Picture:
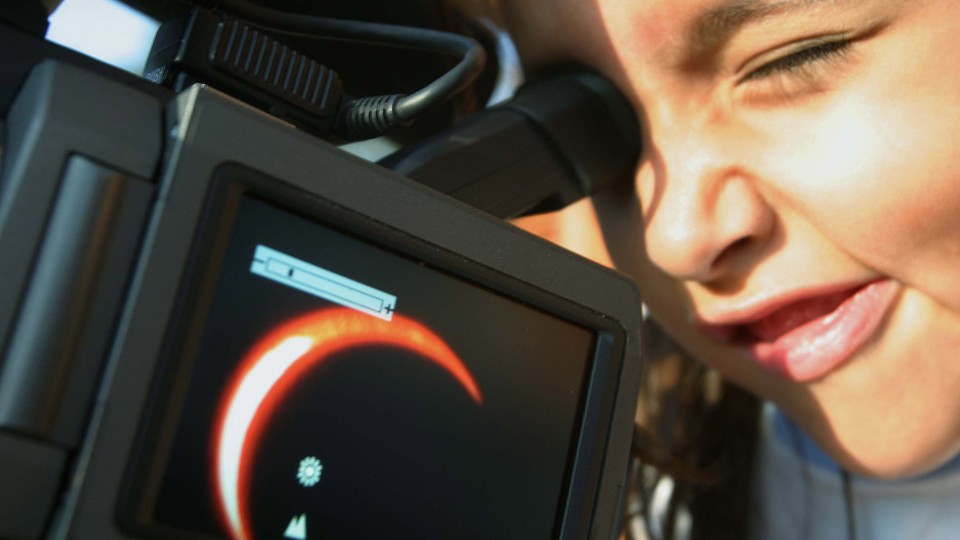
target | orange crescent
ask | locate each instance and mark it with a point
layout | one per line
(274, 364)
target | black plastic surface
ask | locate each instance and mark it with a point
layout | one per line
(32, 475)
(63, 110)
(212, 130)
(249, 64)
(561, 138)
(496, 161)
(54, 358)
(22, 51)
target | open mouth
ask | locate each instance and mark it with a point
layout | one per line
(789, 318)
(810, 337)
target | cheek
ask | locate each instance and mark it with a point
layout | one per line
(878, 173)
(874, 165)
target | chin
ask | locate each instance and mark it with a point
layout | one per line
(897, 460)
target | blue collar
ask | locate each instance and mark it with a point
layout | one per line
(806, 449)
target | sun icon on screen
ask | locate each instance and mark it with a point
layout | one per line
(308, 474)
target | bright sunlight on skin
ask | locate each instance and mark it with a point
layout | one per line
(794, 220)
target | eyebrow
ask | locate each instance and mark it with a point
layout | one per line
(718, 25)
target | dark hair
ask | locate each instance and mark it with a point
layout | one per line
(698, 433)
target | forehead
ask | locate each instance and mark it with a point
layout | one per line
(671, 28)
(604, 34)
(576, 27)
(641, 39)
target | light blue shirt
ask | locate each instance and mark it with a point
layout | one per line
(798, 495)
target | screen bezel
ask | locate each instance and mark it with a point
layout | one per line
(202, 129)
(230, 183)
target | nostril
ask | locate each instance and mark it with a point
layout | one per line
(737, 246)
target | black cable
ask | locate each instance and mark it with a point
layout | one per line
(848, 504)
(796, 441)
(371, 116)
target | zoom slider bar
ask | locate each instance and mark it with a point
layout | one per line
(311, 279)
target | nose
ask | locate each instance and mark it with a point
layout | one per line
(703, 209)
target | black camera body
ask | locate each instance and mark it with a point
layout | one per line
(215, 325)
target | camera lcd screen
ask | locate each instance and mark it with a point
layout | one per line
(338, 387)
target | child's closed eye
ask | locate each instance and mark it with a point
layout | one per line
(802, 71)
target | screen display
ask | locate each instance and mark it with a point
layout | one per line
(338, 389)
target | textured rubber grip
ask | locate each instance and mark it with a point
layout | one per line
(248, 53)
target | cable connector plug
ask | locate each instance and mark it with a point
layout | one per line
(367, 117)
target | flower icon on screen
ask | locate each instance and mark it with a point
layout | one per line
(308, 474)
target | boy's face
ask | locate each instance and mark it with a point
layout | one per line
(795, 220)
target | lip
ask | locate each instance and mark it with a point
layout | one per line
(804, 336)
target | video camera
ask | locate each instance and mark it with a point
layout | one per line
(216, 323)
